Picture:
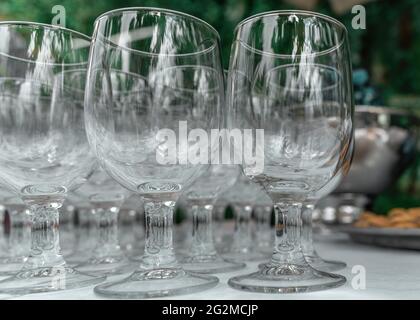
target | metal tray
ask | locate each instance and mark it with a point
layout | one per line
(385, 237)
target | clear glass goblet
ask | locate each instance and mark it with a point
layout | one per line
(85, 231)
(296, 67)
(262, 216)
(132, 225)
(200, 198)
(149, 140)
(106, 198)
(67, 228)
(242, 196)
(44, 152)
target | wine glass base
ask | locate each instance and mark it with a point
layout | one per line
(210, 264)
(286, 279)
(9, 266)
(47, 279)
(107, 266)
(156, 283)
(320, 264)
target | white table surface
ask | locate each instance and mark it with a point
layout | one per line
(390, 274)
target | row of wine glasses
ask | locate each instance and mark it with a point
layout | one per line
(81, 234)
(91, 238)
(128, 113)
(87, 232)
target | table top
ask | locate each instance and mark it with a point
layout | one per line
(389, 274)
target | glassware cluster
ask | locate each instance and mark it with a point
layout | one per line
(117, 127)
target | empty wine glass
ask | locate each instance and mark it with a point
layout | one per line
(296, 66)
(223, 227)
(262, 212)
(200, 198)
(43, 151)
(67, 228)
(132, 224)
(85, 232)
(141, 137)
(242, 196)
(106, 198)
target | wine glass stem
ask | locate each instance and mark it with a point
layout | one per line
(45, 241)
(262, 226)
(202, 235)
(288, 227)
(107, 224)
(307, 241)
(218, 223)
(159, 251)
(242, 238)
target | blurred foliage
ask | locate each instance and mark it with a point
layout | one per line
(389, 48)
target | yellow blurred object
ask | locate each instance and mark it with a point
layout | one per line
(396, 218)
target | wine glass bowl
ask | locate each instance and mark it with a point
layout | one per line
(304, 127)
(42, 139)
(105, 197)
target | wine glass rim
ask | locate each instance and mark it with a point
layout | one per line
(164, 10)
(288, 12)
(116, 12)
(316, 65)
(29, 24)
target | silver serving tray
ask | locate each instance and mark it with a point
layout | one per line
(385, 237)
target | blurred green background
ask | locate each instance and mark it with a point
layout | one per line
(389, 48)
(385, 55)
